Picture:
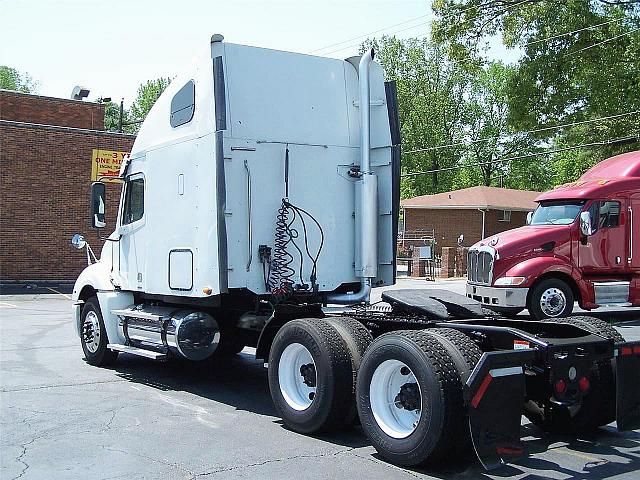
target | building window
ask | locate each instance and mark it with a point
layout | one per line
(505, 216)
(133, 201)
(183, 105)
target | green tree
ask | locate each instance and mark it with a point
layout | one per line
(12, 79)
(490, 138)
(580, 63)
(148, 93)
(112, 117)
(430, 99)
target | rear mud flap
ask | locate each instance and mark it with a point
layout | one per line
(494, 394)
(627, 358)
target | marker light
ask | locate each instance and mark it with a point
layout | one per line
(583, 384)
(509, 281)
(561, 386)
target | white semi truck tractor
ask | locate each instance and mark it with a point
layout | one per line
(261, 192)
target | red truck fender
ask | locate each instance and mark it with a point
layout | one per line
(537, 268)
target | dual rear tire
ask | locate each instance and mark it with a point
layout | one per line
(313, 365)
(407, 385)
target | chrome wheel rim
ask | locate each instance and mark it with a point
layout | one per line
(297, 376)
(553, 302)
(396, 399)
(91, 332)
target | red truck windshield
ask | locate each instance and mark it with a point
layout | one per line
(556, 212)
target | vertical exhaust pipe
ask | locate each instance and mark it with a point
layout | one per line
(366, 198)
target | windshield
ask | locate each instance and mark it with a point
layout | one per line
(556, 213)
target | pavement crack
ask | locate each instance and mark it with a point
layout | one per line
(59, 385)
(274, 460)
(151, 459)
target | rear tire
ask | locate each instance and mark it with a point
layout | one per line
(357, 338)
(598, 407)
(391, 411)
(310, 376)
(93, 335)
(551, 298)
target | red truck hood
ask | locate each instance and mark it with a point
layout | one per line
(528, 239)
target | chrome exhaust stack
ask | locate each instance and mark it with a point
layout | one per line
(366, 199)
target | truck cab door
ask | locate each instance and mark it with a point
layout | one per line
(604, 252)
(132, 243)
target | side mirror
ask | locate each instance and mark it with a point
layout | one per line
(98, 200)
(586, 227)
(529, 218)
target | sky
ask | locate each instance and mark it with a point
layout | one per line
(112, 46)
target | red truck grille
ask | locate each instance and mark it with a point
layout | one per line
(479, 267)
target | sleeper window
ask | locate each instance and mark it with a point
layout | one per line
(183, 105)
(133, 201)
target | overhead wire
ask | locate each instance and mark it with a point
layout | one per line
(537, 130)
(367, 34)
(560, 35)
(616, 141)
(602, 42)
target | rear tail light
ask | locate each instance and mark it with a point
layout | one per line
(561, 386)
(583, 384)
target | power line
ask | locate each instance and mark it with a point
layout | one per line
(537, 130)
(367, 34)
(389, 33)
(574, 31)
(616, 142)
(602, 42)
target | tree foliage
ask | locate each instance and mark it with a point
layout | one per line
(148, 93)
(12, 79)
(452, 120)
(579, 63)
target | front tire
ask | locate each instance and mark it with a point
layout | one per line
(310, 376)
(551, 298)
(93, 335)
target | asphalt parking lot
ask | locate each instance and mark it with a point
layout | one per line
(61, 418)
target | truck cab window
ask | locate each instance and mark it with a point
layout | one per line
(556, 212)
(609, 214)
(133, 201)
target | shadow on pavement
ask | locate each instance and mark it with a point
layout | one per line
(241, 382)
(590, 456)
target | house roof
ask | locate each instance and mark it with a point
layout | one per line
(476, 197)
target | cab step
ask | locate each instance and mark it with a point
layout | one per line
(137, 351)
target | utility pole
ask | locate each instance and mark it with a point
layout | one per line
(121, 115)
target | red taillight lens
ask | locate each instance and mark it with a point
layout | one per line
(584, 384)
(561, 386)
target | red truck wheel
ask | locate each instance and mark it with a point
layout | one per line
(551, 298)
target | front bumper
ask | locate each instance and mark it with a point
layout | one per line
(498, 296)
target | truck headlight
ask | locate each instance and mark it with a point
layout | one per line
(509, 281)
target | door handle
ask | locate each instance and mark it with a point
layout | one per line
(249, 240)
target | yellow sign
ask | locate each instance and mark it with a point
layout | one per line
(105, 164)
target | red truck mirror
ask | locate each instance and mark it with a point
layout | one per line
(586, 226)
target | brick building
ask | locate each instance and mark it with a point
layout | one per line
(475, 212)
(47, 150)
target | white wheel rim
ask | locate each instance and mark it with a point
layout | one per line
(389, 412)
(91, 332)
(297, 389)
(553, 302)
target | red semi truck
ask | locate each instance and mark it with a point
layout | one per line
(581, 244)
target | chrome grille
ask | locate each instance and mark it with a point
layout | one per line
(479, 266)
